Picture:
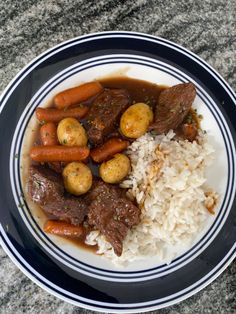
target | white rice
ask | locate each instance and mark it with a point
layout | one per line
(168, 182)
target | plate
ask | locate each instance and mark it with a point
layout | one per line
(78, 276)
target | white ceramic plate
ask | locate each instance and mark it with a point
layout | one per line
(79, 276)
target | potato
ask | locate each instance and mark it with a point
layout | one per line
(135, 120)
(71, 133)
(115, 169)
(77, 178)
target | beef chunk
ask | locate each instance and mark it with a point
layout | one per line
(112, 213)
(173, 105)
(45, 187)
(56, 166)
(105, 113)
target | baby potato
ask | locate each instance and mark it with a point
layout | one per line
(71, 133)
(77, 178)
(115, 169)
(135, 120)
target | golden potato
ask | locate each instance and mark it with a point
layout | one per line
(115, 169)
(71, 133)
(135, 120)
(77, 178)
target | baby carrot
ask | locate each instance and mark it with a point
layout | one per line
(77, 94)
(48, 134)
(56, 115)
(59, 153)
(108, 149)
(62, 228)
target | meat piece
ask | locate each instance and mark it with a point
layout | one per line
(173, 105)
(56, 166)
(45, 187)
(105, 113)
(112, 213)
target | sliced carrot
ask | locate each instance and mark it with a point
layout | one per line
(189, 131)
(59, 153)
(62, 228)
(56, 115)
(108, 149)
(77, 94)
(48, 134)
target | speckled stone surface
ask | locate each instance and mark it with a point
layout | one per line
(27, 28)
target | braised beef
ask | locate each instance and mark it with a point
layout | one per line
(173, 105)
(105, 113)
(57, 166)
(45, 187)
(112, 213)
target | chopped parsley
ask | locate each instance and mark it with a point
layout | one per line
(38, 183)
(20, 205)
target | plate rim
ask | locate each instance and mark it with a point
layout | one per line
(10, 88)
(121, 310)
(100, 273)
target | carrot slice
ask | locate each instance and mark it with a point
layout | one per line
(48, 134)
(189, 131)
(59, 153)
(77, 94)
(62, 228)
(108, 149)
(56, 115)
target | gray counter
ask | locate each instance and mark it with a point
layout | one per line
(27, 28)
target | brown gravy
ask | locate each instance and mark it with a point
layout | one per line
(80, 242)
(140, 91)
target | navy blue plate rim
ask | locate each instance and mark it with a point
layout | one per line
(93, 293)
(115, 275)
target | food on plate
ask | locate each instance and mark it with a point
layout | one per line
(115, 169)
(46, 188)
(173, 106)
(112, 213)
(135, 120)
(108, 149)
(110, 174)
(77, 178)
(62, 228)
(75, 95)
(105, 113)
(168, 182)
(106, 206)
(56, 115)
(71, 133)
(48, 134)
(59, 153)
(189, 130)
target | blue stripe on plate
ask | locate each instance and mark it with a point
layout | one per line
(144, 305)
(39, 100)
(155, 304)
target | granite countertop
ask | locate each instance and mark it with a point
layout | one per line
(27, 28)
